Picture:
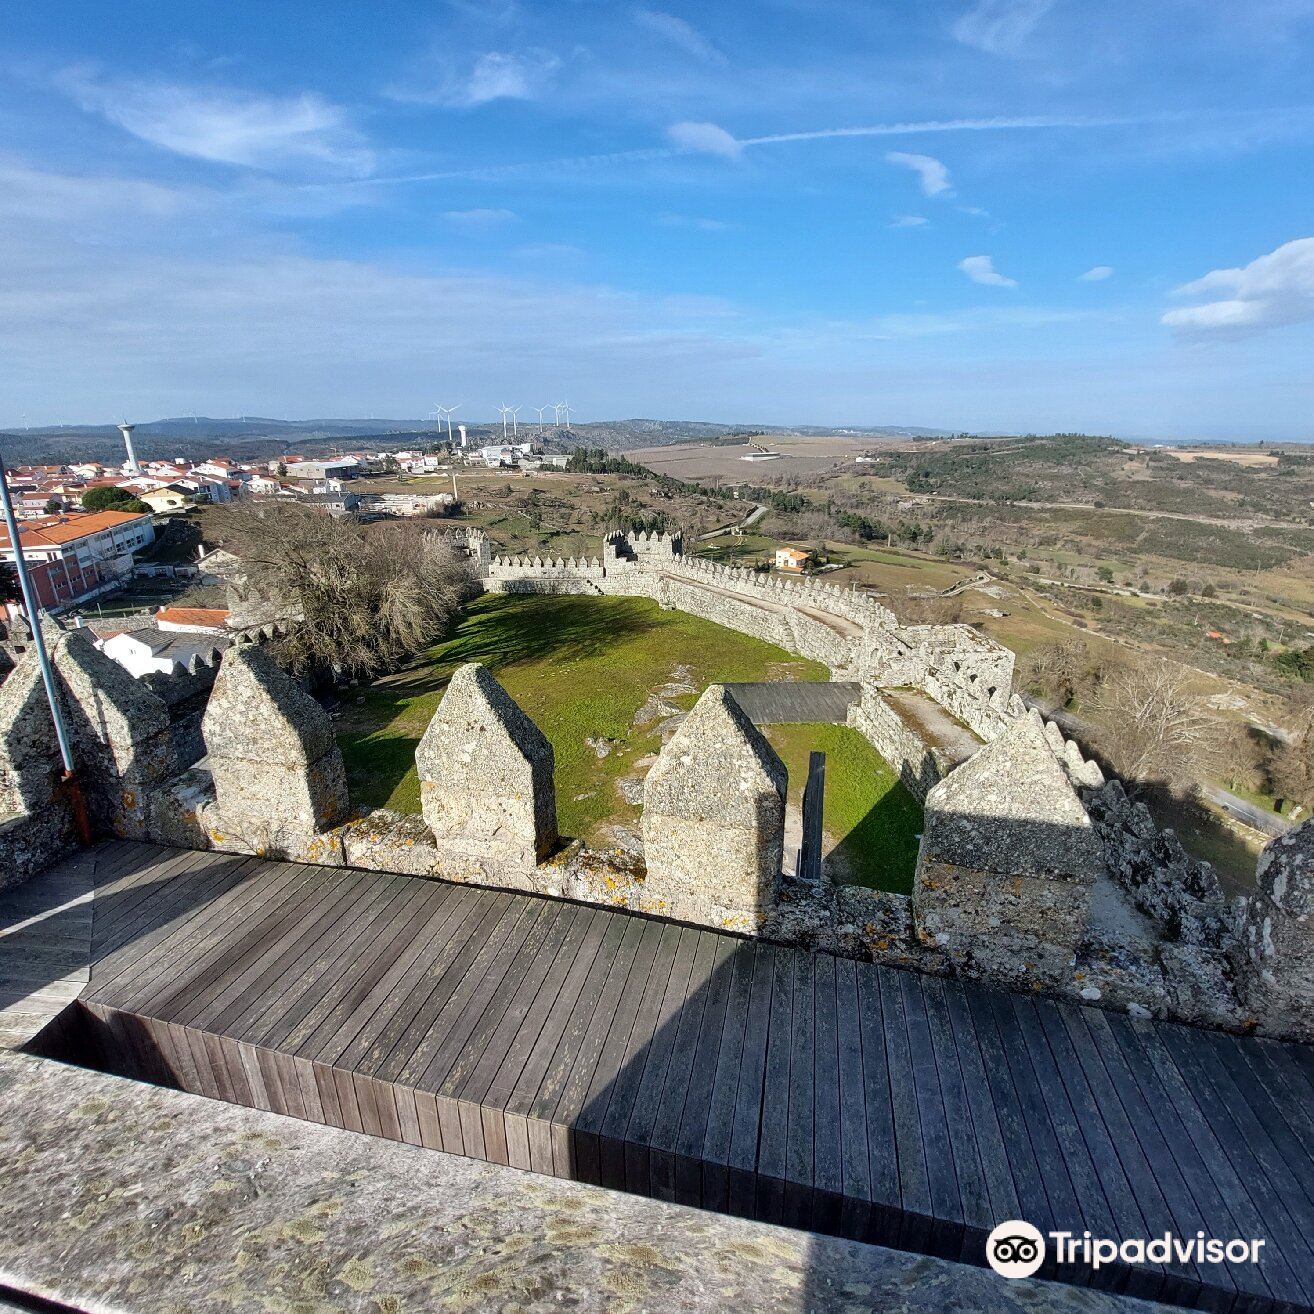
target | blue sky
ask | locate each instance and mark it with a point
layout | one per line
(983, 214)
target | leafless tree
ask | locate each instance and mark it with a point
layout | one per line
(1153, 726)
(1291, 768)
(1062, 672)
(365, 596)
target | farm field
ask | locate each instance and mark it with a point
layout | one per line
(601, 677)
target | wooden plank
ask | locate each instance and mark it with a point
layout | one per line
(801, 1128)
(1129, 1215)
(1033, 1066)
(1274, 1067)
(522, 1059)
(687, 1026)
(878, 1103)
(1259, 1167)
(586, 1102)
(773, 1140)
(1049, 1191)
(607, 1115)
(460, 917)
(122, 913)
(942, 1178)
(475, 987)
(298, 1016)
(303, 988)
(1120, 1047)
(468, 1090)
(169, 995)
(231, 885)
(731, 1062)
(245, 995)
(530, 1134)
(547, 1139)
(332, 905)
(1152, 1173)
(652, 1059)
(295, 923)
(997, 1173)
(827, 1148)
(851, 1090)
(690, 1130)
(973, 1193)
(915, 1223)
(169, 966)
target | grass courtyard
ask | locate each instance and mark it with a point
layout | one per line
(600, 676)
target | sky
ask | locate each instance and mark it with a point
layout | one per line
(983, 215)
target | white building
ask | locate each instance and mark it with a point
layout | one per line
(149, 649)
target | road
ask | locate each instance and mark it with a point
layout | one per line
(751, 518)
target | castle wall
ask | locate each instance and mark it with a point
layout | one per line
(903, 748)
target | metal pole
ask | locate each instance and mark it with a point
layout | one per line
(34, 620)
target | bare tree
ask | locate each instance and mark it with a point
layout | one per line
(1153, 726)
(364, 596)
(1062, 672)
(1291, 768)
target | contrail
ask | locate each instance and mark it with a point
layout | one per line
(1028, 123)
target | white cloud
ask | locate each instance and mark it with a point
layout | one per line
(226, 125)
(1096, 275)
(704, 139)
(494, 75)
(932, 173)
(909, 221)
(679, 33)
(478, 218)
(1000, 27)
(1275, 290)
(671, 220)
(981, 269)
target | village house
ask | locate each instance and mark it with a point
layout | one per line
(152, 649)
(792, 560)
(193, 620)
(77, 553)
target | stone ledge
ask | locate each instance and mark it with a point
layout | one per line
(126, 1197)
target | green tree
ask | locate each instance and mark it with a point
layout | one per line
(112, 499)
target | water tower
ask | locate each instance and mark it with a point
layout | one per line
(130, 466)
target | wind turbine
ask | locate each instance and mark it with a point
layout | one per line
(565, 406)
(556, 414)
(504, 411)
(515, 428)
(447, 411)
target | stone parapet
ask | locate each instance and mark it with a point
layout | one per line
(714, 819)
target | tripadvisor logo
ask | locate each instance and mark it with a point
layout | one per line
(1017, 1250)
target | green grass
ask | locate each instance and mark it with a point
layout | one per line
(581, 667)
(870, 816)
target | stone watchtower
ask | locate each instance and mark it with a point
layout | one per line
(486, 786)
(714, 819)
(1007, 863)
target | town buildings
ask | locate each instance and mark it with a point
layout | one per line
(76, 554)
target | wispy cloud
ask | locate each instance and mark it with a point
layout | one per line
(710, 138)
(226, 125)
(1272, 291)
(679, 33)
(670, 219)
(1000, 27)
(478, 218)
(704, 139)
(494, 75)
(1096, 275)
(981, 269)
(934, 176)
(909, 221)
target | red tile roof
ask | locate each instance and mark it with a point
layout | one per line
(49, 531)
(215, 617)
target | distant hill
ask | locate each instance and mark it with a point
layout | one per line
(252, 438)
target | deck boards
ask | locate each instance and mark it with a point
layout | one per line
(693, 1066)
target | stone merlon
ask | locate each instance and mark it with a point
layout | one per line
(713, 819)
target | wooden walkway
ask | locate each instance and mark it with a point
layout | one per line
(697, 1067)
(778, 702)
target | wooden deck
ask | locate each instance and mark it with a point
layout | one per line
(697, 1067)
